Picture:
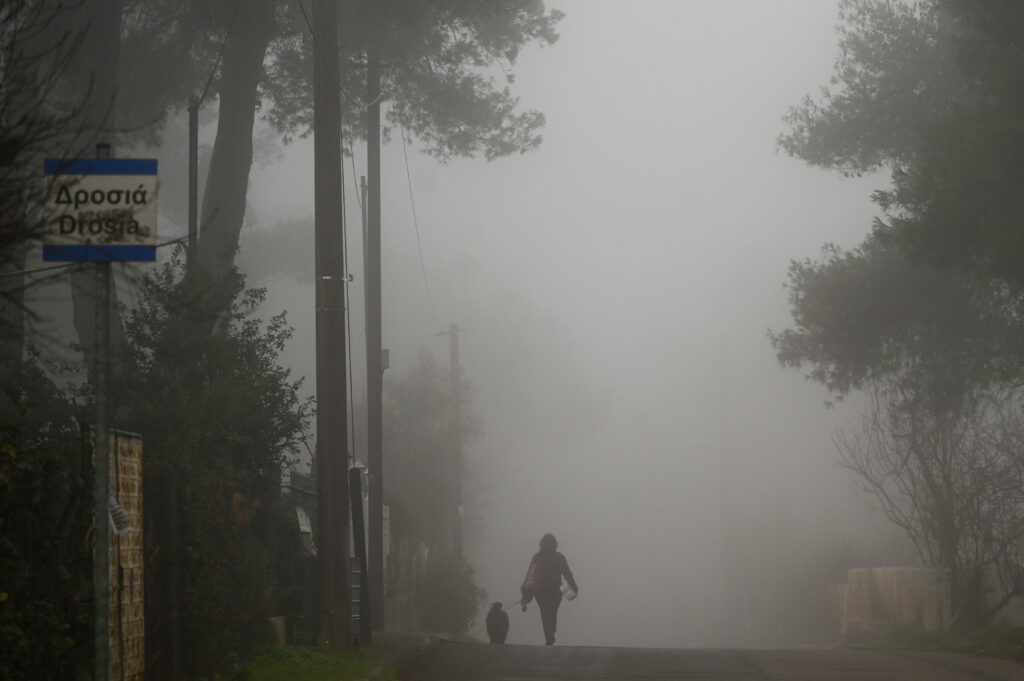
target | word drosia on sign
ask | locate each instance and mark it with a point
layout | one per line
(100, 209)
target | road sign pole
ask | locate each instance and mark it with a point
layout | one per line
(101, 210)
(101, 465)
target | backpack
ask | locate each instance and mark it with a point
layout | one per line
(529, 587)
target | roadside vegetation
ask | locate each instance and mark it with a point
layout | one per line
(388, 659)
(317, 664)
(1003, 641)
(194, 357)
(923, 323)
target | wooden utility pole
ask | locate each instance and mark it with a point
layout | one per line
(374, 342)
(456, 437)
(332, 409)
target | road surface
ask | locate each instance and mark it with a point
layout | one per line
(482, 662)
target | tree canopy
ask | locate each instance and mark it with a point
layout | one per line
(931, 90)
(926, 316)
(895, 73)
(871, 312)
(439, 59)
(923, 89)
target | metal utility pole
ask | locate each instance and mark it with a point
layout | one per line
(355, 492)
(456, 435)
(362, 204)
(101, 466)
(174, 511)
(374, 362)
(193, 180)
(332, 409)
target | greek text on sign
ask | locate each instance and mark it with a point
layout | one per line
(100, 209)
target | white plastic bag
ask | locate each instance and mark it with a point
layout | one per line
(567, 591)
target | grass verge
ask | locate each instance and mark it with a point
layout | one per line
(314, 664)
(380, 662)
(1001, 641)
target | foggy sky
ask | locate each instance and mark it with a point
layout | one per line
(615, 287)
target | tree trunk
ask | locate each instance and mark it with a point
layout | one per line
(210, 283)
(969, 600)
(228, 180)
(12, 308)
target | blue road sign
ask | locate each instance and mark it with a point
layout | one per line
(100, 209)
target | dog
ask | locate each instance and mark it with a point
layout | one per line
(497, 623)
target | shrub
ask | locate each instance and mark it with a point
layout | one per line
(447, 597)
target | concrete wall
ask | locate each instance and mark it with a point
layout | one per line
(885, 597)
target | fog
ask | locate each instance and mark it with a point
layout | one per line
(614, 289)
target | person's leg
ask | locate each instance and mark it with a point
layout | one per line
(545, 618)
(548, 604)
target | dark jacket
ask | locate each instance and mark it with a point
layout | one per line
(551, 567)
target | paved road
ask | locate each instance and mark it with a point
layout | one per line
(481, 662)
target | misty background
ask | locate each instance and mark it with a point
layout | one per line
(614, 289)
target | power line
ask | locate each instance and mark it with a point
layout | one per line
(65, 265)
(172, 242)
(348, 305)
(416, 226)
(316, 48)
(34, 270)
(352, 158)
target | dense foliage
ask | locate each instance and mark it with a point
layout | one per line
(930, 90)
(420, 462)
(421, 470)
(221, 420)
(447, 597)
(193, 371)
(36, 118)
(440, 59)
(868, 313)
(926, 317)
(45, 521)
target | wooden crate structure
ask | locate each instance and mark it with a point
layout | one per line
(127, 588)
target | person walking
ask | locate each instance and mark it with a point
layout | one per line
(544, 582)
